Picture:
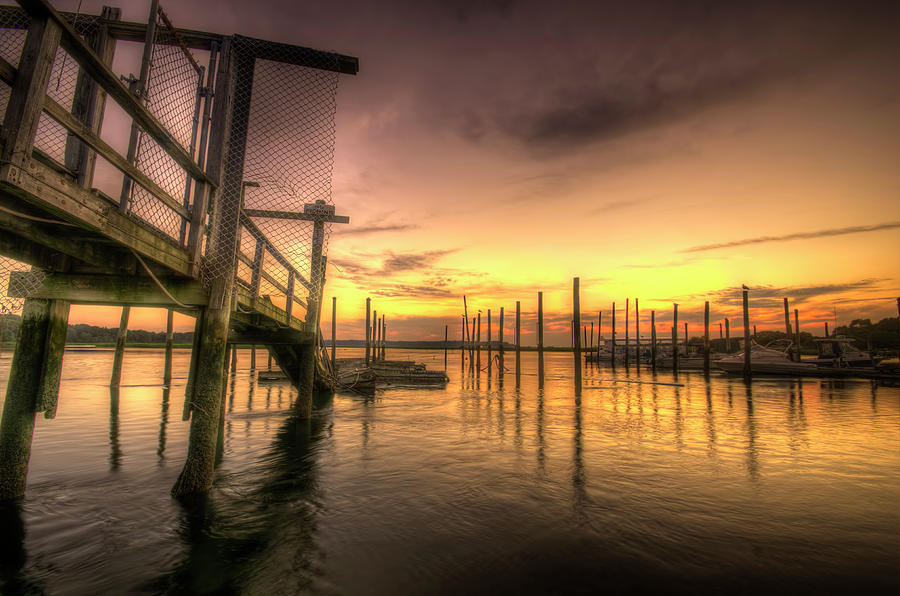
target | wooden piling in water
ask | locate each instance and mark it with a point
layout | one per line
(706, 338)
(518, 337)
(599, 334)
(747, 369)
(333, 335)
(33, 386)
(787, 327)
(612, 357)
(446, 334)
(490, 357)
(540, 326)
(500, 348)
(478, 344)
(675, 339)
(826, 328)
(376, 330)
(653, 339)
(727, 336)
(576, 317)
(167, 362)
(627, 342)
(120, 348)
(797, 332)
(637, 334)
(368, 328)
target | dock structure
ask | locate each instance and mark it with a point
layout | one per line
(219, 209)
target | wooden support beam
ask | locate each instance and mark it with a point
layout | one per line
(40, 186)
(576, 323)
(112, 289)
(295, 216)
(282, 52)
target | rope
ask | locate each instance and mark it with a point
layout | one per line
(34, 218)
(158, 284)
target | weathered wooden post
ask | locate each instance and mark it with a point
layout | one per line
(252, 357)
(727, 336)
(233, 358)
(599, 334)
(706, 338)
(500, 347)
(333, 334)
(637, 333)
(120, 348)
(540, 329)
(747, 369)
(446, 332)
(518, 338)
(229, 121)
(376, 331)
(462, 342)
(627, 341)
(653, 339)
(590, 345)
(826, 328)
(612, 357)
(368, 327)
(576, 316)
(685, 337)
(33, 386)
(383, 338)
(675, 338)
(787, 327)
(478, 344)
(167, 365)
(797, 332)
(490, 357)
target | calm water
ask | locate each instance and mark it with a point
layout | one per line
(482, 487)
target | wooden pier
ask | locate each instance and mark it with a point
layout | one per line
(221, 215)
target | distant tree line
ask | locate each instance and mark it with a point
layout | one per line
(91, 334)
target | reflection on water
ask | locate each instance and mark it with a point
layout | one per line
(643, 482)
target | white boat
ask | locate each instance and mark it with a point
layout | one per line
(838, 351)
(766, 360)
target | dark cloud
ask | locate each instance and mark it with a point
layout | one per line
(797, 236)
(773, 296)
(395, 263)
(616, 205)
(366, 230)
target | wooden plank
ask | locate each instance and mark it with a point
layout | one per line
(24, 106)
(112, 289)
(36, 243)
(295, 215)
(40, 186)
(94, 66)
(93, 140)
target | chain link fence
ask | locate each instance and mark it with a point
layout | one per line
(287, 162)
(172, 94)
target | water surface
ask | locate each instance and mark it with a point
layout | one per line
(642, 482)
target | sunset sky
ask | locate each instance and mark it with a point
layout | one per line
(669, 151)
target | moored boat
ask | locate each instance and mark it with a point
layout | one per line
(838, 351)
(765, 360)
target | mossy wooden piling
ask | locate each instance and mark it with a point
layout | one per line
(576, 317)
(119, 354)
(32, 387)
(706, 337)
(167, 364)
(675, 338)
(747, 366)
